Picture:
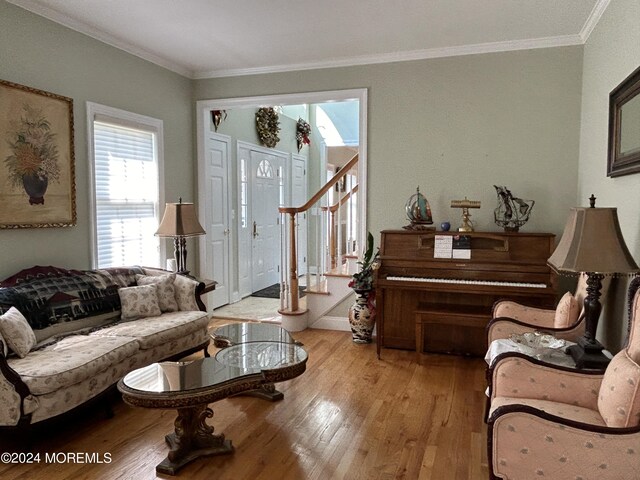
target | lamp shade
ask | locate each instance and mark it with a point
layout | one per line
(592, 242)
(180, 220)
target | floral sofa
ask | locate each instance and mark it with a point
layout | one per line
(66, 336)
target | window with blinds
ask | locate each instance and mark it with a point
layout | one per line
(126, 192)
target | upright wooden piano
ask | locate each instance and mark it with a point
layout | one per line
(450, 300)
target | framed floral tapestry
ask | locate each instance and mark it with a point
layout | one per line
(37, 165)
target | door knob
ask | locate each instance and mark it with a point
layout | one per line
(226, 231)
(255, 230)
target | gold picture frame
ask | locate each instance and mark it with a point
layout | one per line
(37, 162)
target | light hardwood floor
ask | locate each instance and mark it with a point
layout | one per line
(349, 416)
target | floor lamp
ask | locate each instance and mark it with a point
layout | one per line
(592, 242)
(180, 221)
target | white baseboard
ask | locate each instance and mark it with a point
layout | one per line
(332, 323)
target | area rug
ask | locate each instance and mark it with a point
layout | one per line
(273, 292)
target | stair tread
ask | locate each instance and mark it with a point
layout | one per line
(318, 289)
(340, 271)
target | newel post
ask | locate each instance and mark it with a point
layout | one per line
(293, 264)
(333, 240)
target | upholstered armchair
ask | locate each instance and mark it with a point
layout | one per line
(556, 422)
(565, 321)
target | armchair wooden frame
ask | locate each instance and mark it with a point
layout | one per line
(618, 437)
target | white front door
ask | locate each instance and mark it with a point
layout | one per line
(215, 264)
(265, 228)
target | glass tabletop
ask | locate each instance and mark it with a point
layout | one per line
(247, 332)
(262, 355)
(229, 364)
(183, 376)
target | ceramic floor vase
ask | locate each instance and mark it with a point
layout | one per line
(362, 316)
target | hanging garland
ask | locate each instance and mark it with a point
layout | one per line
(268, 126)
(303, 130)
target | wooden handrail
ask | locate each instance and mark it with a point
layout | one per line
(292, 212)
(333, 208)
(343, 171)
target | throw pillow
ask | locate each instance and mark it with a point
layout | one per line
(567, 311)
(165, 289)
(139, 302)
(16, 332)
(619, 399)
(186, 293)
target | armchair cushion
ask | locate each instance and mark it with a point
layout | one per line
(17, 333)
(619, 398)
(567, 311)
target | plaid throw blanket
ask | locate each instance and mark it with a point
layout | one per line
(49, 295)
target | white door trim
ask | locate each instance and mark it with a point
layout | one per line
(203, 107)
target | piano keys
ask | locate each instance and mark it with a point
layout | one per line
(449, 301)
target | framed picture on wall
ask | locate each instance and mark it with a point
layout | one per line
(624, 127)
(37, 164)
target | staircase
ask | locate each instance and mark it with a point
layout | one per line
(330, 250)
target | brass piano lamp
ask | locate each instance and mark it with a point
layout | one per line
(465, 205)
(592, 242)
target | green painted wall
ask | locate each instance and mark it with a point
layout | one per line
(456, 126)
(533, 120)
(44, 55)
(611, 53)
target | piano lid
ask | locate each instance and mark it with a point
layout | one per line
(485, 247)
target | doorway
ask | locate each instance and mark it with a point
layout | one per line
(261, 190)
(241, 265)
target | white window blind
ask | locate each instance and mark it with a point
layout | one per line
(126, 195)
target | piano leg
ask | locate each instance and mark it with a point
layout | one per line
(419, 334)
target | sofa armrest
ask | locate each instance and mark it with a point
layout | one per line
(13, 392)
(519, 376)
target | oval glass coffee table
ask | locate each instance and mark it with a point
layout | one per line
(247, 332)
(190, 386)
(251, 332)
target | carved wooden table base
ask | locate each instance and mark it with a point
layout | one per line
(192, 439)
(189, 387)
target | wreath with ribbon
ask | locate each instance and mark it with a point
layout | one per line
(268, 126)
(303, 130)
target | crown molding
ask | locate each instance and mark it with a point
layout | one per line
(493, 47)
(594, 18)
(57, 17)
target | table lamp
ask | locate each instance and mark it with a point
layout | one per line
(180, 221)
(592, 242)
